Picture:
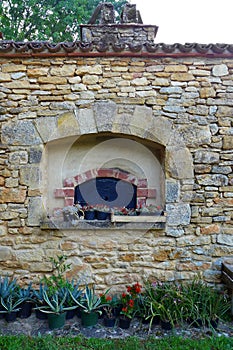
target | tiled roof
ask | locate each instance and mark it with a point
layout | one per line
(78, 48)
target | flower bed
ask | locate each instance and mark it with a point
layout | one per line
(172, 304)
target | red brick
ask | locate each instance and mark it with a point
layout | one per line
(69, 192)
(142, 192)
(142, 183)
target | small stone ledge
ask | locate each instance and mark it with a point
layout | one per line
(158, 224)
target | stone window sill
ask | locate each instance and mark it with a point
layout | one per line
(118, 222)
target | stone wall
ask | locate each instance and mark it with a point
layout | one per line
(184, 104)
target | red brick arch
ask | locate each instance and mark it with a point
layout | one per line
(67, 192)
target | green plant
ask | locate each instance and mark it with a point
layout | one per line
(89, 301)
(204, 302)
(217, 305)
(11, 303)
(129, 300)
(26, 293)
(109, 303)
(38, 295)
(55, 304)
(7, 286)
(164, 300)
(73, 291)
(58, 278)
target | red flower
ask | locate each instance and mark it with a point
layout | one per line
(123, 295)
(131, 303)
(138, 288)
(129, 289)
(124, 309)
(108, 298)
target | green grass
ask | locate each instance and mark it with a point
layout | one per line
(131, 343)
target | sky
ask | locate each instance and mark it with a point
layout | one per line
(189, 21)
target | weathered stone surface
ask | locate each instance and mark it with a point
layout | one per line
(210, 229)
(139, 82)
(18, 157)
(104, 114)
(221, 169)
(172, 191)
(96, 69)
(207, 92)
(224, 111)
(196, 135)
(35, 154)
(5, 254)
(52, 80)
(220, 70)
(206, 157)
(47, 128)
(86, 121)
(182, 76)
(67, 124)
(5, 77)
(35, 212)
(20, 133)
(90, 79)
(179, 214)
(176, 68)
(179, 163)
(13, 195)
(228, 142)
(36, 72)
(171, 90)
(3, 229)
(30, 176)
(225, 239)
(212, 180)
(12, 67)
(65, 71)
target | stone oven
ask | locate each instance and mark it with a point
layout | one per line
(116, 119)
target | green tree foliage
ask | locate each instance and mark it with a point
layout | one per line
(54, 20)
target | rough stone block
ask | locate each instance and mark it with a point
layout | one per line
(35, 154)
(35, 211)
(228, 142)
(212, 180)
(182, 76)
(225, 239)
(30, 176)
(206, 157)
(210, 229)
(52, 80)
(64, 71)
(220, 70)
(179, 214)
(5, 254)
(13, 67)
(172, 191)
(20, 133)
(12, 195)
(104, 114)
(179, 163)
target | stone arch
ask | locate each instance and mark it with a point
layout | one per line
(103, 116)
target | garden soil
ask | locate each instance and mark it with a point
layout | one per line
(34, 327)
